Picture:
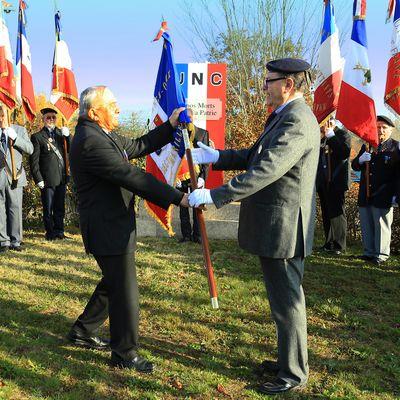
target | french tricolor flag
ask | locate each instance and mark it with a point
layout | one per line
(356, 107)
(392, 92)
(64, 94)
(330, 67)
(7, 80)
(25, 90)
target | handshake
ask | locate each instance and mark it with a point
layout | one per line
(201, 155)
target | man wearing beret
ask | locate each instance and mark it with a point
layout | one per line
(376, 210)
(49, 173)
(333, 180)
(14, 139)
(106, 185)
(277, 213)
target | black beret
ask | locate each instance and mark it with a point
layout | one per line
(288, 65)
(385, 119)
(48, 110)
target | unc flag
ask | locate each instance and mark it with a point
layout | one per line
(164, 164)
(356, 107)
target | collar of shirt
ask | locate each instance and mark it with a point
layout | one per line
(282, 106)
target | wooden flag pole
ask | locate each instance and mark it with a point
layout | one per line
(202, 225)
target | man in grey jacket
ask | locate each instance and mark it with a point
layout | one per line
(277, 213)
(14, 139)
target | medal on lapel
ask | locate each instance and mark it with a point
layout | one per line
(259, 149)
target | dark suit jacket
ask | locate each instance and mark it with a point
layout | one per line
(201, 135)
(340, 146)
(277, 190)
(44, 163)
(106, 184)
(384, 175)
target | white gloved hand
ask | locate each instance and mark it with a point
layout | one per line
(199, 197)
(204, 154)
(65, 131)
(200, 182)
(40, 185)
(329, 133)
(365, 157)
(178, 183)
(10, 132)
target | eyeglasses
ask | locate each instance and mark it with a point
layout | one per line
(51, 117)
(273, 80)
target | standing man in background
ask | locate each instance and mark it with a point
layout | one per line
(11, 192)
(49, 173)
(183, 183)
(376, 210)
(333, 180)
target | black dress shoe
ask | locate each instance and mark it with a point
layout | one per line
(197, 239)
(278, 386)
(88, 341)
(184, 239)
(267, 366)
(138, 363)
(61, 236)
(377, 261)
(365, 258)
(16, 248)
(50, 237)
(3, 249)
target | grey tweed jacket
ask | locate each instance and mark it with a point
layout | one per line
(277, 190)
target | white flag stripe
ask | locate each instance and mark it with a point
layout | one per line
(62, 58)
(197, 94)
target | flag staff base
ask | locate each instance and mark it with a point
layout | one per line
(214, 303)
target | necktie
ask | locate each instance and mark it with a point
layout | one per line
(269, 119)
(3, 140)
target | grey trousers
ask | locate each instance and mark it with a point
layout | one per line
(376, 231)
(283, 278)
(10, 216)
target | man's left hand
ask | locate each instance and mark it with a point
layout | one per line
(199, 197)
(174, 118)
(200, 182)
(11, 133)
(65, 131)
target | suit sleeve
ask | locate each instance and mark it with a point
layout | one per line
(22, 141)
(34, 160)
(340, 144)
(232, 160)
(148, 143)
(276, 161)
(204, 168)
(105, 163)
(355, 164)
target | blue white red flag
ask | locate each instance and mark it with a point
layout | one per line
(356, 107)
(392, 91)
(7, 79)
(330, 67)
(164, 164)
(64, 94)
(25, 90)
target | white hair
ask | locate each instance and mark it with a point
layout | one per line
(87, 98)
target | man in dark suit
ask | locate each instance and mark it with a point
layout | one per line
(47, 164)
(277, 212)
(183, 184)
(333, 180)
(376, 210)
(106, 185)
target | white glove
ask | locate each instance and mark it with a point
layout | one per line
(329, 133)
(365, 157)
(40, 185)
(200, 183)
(65, 131)
(199, 197)
(204, 154)
(10, 132)
(178, 183)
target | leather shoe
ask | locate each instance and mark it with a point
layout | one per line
(365, 258)
(16, 248)
(184, 239)
(61, 236)
(138, 363)
(197, 239)
(267, 366)
(278, 386)
(377, 261)
(88, 341)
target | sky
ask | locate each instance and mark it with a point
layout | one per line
(110, 44)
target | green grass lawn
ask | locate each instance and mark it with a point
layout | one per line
(200, 353)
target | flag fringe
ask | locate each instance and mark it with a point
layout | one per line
(168, 227)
